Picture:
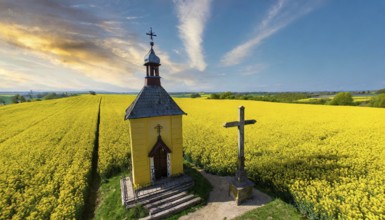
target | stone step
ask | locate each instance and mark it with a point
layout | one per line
(165, 200)
(159, 195)
(160, 187)
(168, 182)
(171, 203)
(174, 209)
(166, 194)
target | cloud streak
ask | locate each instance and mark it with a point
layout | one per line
(73, 39)
(192, 17)
(280, 15)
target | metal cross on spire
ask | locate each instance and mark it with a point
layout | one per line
(151, 34)
(158, 127)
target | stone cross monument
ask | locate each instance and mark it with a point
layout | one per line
(240, 187)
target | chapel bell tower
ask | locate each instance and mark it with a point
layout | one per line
(155, 122)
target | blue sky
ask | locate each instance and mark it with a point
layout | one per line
(205, 45)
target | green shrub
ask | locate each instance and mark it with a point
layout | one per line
(214, 96)
(342, 98)
(195, 95)
(380, 91)
(378, 101)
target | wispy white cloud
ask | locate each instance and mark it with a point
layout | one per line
(281, 14)
(254, 69)
(132, 17)
(12, 76)
(192, 15)
(189, 80)
(21, 79)
(245, 70)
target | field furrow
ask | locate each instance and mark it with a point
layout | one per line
(114, 139)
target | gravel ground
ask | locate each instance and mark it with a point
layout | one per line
(221, 205)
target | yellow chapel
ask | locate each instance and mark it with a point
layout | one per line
(155, 122)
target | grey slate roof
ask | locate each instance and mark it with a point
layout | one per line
(152, 101)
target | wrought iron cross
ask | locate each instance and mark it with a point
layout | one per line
(158, 127)
(241, 173)
(151, 34)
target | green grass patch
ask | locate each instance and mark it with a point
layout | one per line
(277, 209)
(362, 98)
(5, 99)
(202, 188)
(110, 204)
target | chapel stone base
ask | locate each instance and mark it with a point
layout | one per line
(162, 199)
(241, 191)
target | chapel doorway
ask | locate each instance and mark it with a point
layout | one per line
(160, 163)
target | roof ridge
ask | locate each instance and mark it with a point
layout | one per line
(152, 101)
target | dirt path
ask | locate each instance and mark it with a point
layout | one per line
(221, 205)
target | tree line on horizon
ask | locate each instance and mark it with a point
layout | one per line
(340, 98)
(38, 97)
(30, 97)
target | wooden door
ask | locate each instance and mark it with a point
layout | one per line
(160, 163)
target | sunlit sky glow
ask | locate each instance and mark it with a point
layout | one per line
(204, 45)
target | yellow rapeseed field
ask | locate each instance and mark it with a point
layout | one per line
(45, 160)
(114, 138)
(330, 160)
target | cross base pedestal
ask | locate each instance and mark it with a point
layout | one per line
(241, 176)
(241, 191)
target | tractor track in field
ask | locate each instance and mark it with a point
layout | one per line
(94, 182)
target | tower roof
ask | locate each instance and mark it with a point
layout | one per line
(151, 57)
(152, 101)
